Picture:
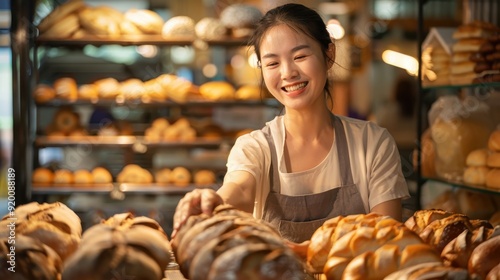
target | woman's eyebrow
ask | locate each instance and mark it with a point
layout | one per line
(297, 48)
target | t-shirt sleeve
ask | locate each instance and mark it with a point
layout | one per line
(386, 180)
(248, 154)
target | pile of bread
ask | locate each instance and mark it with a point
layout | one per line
(483, 165)
(76, 19)
(231, 244)
(43, 176)
(475, 54)
(432, 243)
(131, 173)
(162, 88)
(48, 244)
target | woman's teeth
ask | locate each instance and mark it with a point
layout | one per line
(295, 87)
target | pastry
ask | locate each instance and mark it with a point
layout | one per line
(59, 13)
(42, 175)
(107, 87)
(179, 26)
(88, 92)
(149, 22)
(132, 89)
(101, 175)
(44, 93)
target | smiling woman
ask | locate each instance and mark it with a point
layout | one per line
(306, 165)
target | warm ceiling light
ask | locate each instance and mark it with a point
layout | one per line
(335, 29)
(401, 60)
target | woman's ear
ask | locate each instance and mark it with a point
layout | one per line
(330, 55)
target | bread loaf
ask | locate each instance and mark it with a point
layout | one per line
(59, 13)
(493, 178)
(122, 246)
(429, 270)
(457, 252)
(29, 258)
(422, 218)
(485, 257)
(493, 160)
(53, 224)
(494, 141)
(213, 247)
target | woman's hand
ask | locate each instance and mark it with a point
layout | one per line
(194, 203)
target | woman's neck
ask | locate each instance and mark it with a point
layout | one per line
(308, 125)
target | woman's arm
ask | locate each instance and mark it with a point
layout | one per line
(239, 190)
(391, 208)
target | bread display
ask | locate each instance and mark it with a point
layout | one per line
(121, 246)
(63, 176)
(217, 90)
(42, 175)
(66, 88)
(180, 176)
(83, 176)
(204, 177)
(223, 245)
(53, 224)
(32, 260)
(101, 175)
(161, 130)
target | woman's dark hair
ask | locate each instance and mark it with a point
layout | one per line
(299, 18)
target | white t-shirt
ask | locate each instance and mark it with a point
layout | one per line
(374, 160)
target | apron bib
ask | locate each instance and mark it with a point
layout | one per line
(298, 217)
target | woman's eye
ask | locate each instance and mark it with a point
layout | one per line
(300, 57)
(271, 64)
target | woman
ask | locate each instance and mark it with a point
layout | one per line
(306, 165)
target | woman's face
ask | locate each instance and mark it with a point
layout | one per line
(293, 67)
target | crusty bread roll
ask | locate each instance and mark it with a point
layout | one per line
(42, 175)
(248, 92)
(453, 225)
(66, 88)
(31, 259)
(149, 22)
(59, 13)
(53, 224)
(132, 89)
(133, 173)
(484, 257)
(457, 252)
(163, 176)
(103, 21)
(422, 218)
(44, 93)
(101, 175)
(128, 246)
(429, 270)
(493, 178)
(65, 120)
(63, 176)
(217, 90)
(475, 175)
(240, 19)
(88, 92)
(204, 177)
(180, 176)
(477, 157)
(179, 26)
(493, 160)
(83, 176)
(107, 87)
(210, 28)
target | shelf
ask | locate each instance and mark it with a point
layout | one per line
(123, 141)
(166, 103)
(457, 87)
(39, 189)
(134, 40)
(462, 185)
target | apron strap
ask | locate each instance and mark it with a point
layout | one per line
(274, 177)
(342, 151)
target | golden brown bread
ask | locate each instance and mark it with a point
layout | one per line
(63, 176)
(477, 157)
(101, 175)
(204, 177)
(457, 252)
(53, 224)
(31, 260)
(83, 176)
(422, 218)
(149, 22)
(493, 178)
(65, 120)
(59, 13)
(122, 246)
(217, 90)
(475, 175)
(493, 160)
(484, 257)
(441, 232)
(429, 270)
(44, 93)
(42, 175)
(494, 141)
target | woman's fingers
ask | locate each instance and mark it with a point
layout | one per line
(194, 203)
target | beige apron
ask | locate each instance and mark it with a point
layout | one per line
(297, 217)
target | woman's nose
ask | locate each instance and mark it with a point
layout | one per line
(289, 71)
